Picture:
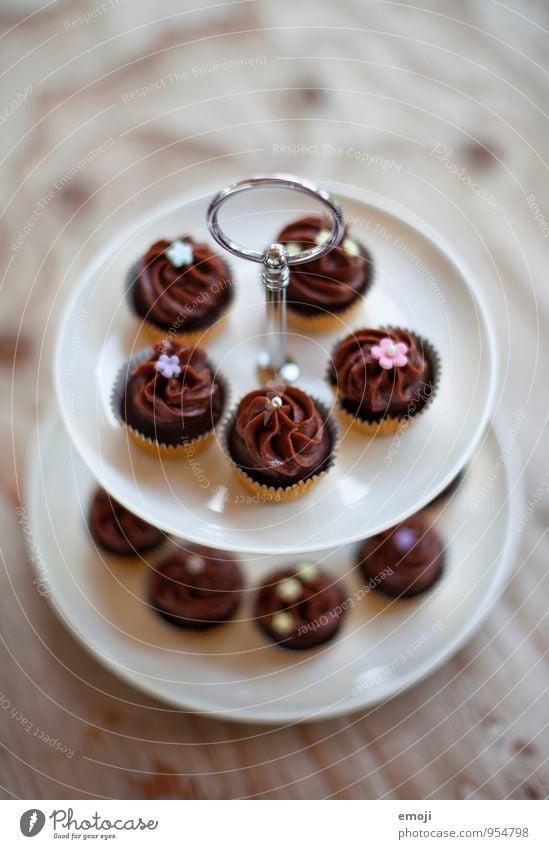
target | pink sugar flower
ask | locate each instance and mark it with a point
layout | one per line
(390, 353)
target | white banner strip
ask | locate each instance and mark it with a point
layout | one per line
(263, 824)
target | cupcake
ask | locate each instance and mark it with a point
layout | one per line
(180, 290)
(195, 589)
(280, 442)
(299, 608)
(170, 399)
(403, 561)
(327, 291)
(383, 378)
(117, 530)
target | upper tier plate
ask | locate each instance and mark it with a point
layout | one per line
(375, 483)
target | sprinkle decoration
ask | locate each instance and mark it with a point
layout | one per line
(195, 564)
(351, 247)
(289, 590)
(322, 236)
(282, 623)
(293, 248)
(168, 366)
(307, 571)
(179, 253)
(404, 539)
(390, 354)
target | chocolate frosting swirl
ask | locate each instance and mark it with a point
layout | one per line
(186, 298)
(280, 437)
(315, 614)
(176, 409)
(119, 531)
(330, 283)
(196, 589)
(371, 391)
(404, 560)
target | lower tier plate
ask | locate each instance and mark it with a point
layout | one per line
(383, 647)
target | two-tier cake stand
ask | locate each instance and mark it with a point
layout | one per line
(383, 647)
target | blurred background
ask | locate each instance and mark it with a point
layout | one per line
(108, 108)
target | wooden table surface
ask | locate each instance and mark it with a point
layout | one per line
(108, 108)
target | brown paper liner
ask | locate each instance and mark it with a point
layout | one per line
(388, 425)
(201, 335)
(280, 494)
(181, 451)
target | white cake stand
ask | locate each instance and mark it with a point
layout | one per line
(231, 672)
(375, 483)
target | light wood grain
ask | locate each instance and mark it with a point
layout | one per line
(383, 78)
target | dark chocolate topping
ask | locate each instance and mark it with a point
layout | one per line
(119, 531)
(331, 282)
(185, 298)
(174, 409)
(368, 389)
(280, 437)
(196, 589)
(404, 560)
(311, 607)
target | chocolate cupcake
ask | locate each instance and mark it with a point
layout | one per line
(383, 378)
(403, 561)
(117, 530)
(170, 399)
(180, 290)
(280, 442)
(299, 608)
(196, 589)
(325, 292)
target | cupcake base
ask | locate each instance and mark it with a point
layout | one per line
(170, 452)
(280, 494)
(192, 338)
(324, 322)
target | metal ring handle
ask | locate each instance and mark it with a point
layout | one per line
(276, 181)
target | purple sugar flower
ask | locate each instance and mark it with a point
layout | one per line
(168, 366)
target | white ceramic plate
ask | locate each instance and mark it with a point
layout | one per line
(375, 482)
(232, 672)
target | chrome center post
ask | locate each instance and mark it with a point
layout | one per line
(274, 364)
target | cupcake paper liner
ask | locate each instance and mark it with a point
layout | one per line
(201, 335)
(182, 451)
(326, 321)
(387, 425)
(280, 494)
